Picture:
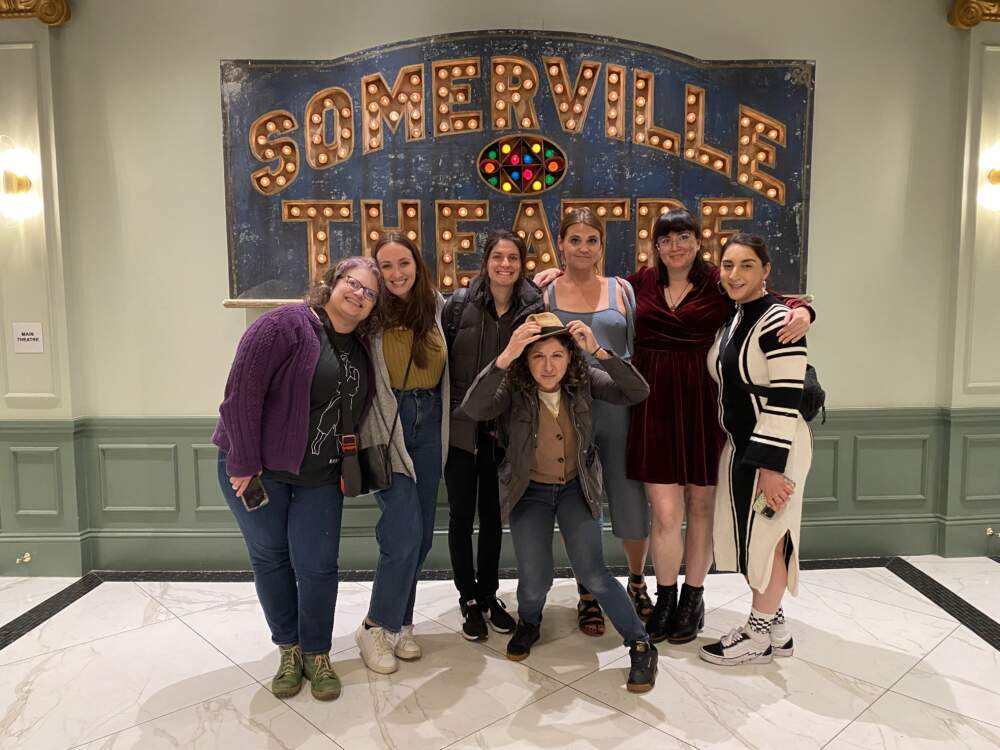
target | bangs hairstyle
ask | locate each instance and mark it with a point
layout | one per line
(319, 293)
(754, 241)
(680, 220)
(577, 373)
(493, 239)
(417, 311)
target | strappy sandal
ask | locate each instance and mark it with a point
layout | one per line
(589, 617)
(640, 598)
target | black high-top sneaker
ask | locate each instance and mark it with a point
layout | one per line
(689, 617)
(474, 627)
(642, 674)
(497, 616)
(525, 636)
(659, 621)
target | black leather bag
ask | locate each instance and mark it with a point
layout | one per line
(374, 462)
(376, 468)
(813, 396)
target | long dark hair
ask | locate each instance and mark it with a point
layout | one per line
(319, 293)
(577, 373)
(418, 311)
(680, 220)
(493, 239)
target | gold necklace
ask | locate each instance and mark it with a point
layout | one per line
(670, 299)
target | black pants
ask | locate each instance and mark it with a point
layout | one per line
(472, 482)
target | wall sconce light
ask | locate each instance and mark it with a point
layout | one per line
(988, 194)
(19, 171)
(19, 183)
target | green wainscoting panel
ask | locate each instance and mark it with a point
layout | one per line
(138, 478)
(37, 481)
(824, 486)
(136, 493)
(981, 468)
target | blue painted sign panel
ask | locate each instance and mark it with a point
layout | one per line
(446, 137)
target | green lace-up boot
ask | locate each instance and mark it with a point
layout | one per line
(288, 681)
(325, 683)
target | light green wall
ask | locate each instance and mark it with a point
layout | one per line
(143, 494)
(136, 98)
(127, 267)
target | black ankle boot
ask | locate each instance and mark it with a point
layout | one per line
(689, 617)
(666, 603)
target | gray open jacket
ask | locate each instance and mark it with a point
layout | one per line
(490, 397)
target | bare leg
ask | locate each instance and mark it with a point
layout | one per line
(700, 503)
(769, 599)
(667, 504)
(635, 553)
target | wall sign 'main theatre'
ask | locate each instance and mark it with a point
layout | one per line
(446, 137)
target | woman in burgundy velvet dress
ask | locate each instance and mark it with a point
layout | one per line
(674, 438)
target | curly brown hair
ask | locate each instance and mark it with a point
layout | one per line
(319, 293)
(577, 372)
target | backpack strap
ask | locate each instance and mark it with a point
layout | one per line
(459, 300)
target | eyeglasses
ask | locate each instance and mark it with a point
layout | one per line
(674, 239)
(369, 294)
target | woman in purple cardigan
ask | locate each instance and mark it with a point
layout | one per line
(301, 386)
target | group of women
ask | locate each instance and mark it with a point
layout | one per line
(673, 392)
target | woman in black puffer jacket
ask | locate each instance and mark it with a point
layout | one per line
(478, 322)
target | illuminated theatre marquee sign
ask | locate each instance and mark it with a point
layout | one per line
(446, 137)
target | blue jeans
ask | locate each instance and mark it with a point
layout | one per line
(293, 543)
(405, 531)
(531, 528)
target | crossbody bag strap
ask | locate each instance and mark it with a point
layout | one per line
(406, 377)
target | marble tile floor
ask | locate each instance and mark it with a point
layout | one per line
(185, 665)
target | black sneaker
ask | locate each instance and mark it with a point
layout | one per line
(497, 616)
(519, 645)
(659, 622)
(474, 627)
(642, 674)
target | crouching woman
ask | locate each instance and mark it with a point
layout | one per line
(540, 390)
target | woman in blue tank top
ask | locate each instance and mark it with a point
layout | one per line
(606, 305)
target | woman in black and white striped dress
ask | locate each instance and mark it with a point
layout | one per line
(763, 468)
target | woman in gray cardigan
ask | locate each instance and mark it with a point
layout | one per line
(540, 390)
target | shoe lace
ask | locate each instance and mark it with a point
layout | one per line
(384, 641)
(321, 666)
(733, 636)
(288, 665)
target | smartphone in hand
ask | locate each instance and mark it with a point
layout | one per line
(255, 496)
(760, 501)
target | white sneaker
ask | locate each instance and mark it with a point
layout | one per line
(376, 649)
(738, 647)
(407, 647)
(781, 639)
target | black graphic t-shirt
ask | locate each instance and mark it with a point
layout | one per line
(321, 464)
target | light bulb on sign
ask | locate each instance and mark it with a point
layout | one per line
(19, 180)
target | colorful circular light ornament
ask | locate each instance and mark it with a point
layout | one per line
(515, 164)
